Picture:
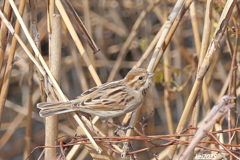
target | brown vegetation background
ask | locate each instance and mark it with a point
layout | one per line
(49, 52)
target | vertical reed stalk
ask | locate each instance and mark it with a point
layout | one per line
(8, 69)
(7, 10)
(51, 127)
(28, 137)
(167, 80)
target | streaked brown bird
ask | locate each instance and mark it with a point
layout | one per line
(109, 100)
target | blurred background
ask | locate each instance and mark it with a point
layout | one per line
(124, 31)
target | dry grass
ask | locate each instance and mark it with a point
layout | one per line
(50, 51)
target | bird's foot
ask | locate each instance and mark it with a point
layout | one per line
(122, 128)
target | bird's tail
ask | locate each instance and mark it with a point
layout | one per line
(53, 108)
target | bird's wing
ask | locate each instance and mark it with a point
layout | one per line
(88, 91)
(108, 99)
(97, 88)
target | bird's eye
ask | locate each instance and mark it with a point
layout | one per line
(140, 78)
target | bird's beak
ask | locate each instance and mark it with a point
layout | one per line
(150, 74)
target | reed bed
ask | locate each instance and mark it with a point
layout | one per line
(55, 50)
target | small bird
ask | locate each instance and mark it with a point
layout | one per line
(109, 100)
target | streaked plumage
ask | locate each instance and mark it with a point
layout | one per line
(109, 100)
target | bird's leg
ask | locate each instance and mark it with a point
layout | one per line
(119, 126)
(122, 128)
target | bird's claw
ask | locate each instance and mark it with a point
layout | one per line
(122, 128)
